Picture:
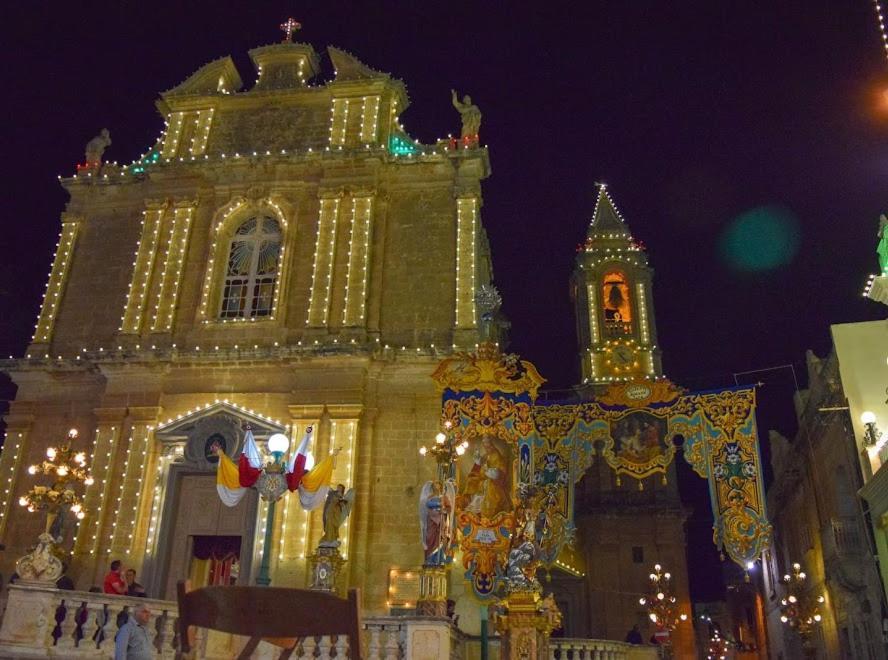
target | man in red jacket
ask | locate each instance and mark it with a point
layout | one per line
(114, 582)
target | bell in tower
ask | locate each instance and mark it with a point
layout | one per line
(611, 288)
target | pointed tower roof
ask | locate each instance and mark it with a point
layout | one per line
(607, 218)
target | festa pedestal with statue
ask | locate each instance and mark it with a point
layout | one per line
(324, 566)
(432, 591)
(526, 625)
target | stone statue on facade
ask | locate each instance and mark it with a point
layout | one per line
(471, 117)
(41, 565)
(336, 509)
(95, 148)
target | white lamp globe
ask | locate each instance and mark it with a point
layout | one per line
(868, 417)
(278, 443)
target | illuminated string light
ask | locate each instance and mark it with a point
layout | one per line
(10, 461)
(358, 258)
(55, 286)
(146, 252)
(322, 271)
(174, 260)
(369, 118)
(102, 469)
(466, 218)
(338, 121)
(877, 6)
(173, 133)
(345, 464)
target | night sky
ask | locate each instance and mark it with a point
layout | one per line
(748, 131)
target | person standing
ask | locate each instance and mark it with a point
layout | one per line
(114, 582)
(133, 588)
(133, 641)
(634, 636)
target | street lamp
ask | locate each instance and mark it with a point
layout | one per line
(661, 603)
(272, 485)
(66, 467)
(798, 609)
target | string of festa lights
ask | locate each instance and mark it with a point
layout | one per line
(881, 18)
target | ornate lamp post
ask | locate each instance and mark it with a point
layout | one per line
(272, 485)
(798, 609)
(437, 502)
(67, 468)
(662, 605)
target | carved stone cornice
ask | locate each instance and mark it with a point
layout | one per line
(306, 412)
(144, 414)
(345, 410)
(109, 415)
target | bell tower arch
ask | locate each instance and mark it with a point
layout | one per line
(611, 287)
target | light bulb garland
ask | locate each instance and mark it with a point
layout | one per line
(55, 286)
(662, 603)
(66, 466)
(799, 608)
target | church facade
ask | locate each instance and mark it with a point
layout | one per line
(287, 256)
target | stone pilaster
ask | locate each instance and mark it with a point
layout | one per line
(109, 423)
(127, 503)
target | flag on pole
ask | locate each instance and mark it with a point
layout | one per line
(228, 481)
(250, 464)
(296, 465)
(316, 483)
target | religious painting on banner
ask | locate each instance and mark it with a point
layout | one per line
(487, 399)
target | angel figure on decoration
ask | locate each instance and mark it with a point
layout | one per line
(95, 148)
(436, 520)
(471, 118)
(336, 509)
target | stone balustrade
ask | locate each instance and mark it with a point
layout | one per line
(43, 622)
(597, 649)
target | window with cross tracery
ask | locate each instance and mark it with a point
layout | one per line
(252, 270)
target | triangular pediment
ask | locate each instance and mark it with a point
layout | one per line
(183, 425)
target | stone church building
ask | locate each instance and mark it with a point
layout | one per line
(287, 255)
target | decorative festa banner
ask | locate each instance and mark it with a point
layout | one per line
(633, 427)
(721, 445)
(488, 401)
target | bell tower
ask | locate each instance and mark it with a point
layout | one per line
(611, 287)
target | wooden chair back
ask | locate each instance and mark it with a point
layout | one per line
(270, 613)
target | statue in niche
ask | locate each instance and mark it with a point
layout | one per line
(95, 148)
(471, 117)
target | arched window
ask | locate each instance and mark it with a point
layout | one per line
(617, 306)
(252, 270)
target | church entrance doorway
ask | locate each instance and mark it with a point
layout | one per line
(208, 540)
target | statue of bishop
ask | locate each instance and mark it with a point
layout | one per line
(471, 117)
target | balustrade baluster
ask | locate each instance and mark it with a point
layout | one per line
(392, 643)
(373, 646)
(67, 625)
(325, 644)
(167, 646)
(109, 626)
(341, 647)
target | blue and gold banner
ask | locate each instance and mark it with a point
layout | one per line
(487, 400)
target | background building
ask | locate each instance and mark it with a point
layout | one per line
(284, 256)
(819, 522)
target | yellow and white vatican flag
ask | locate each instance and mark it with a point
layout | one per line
(228, 481)
(315, 484)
